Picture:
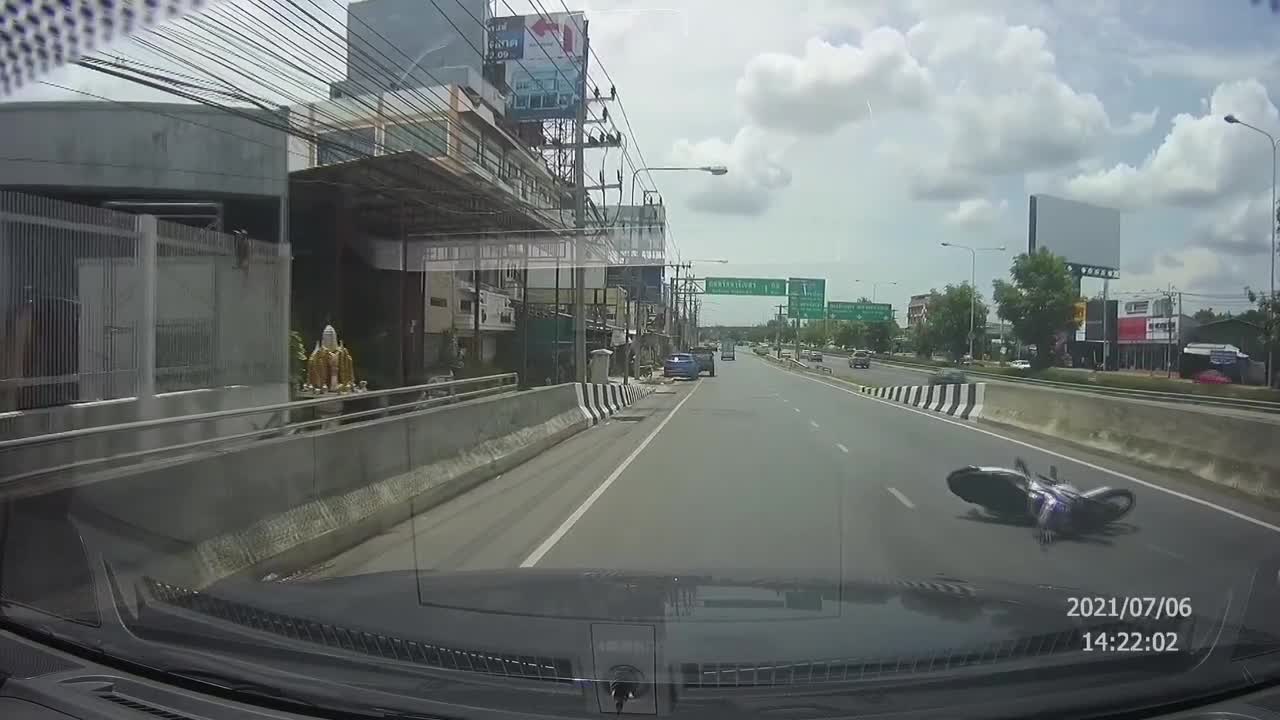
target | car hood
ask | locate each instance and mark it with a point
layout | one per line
(711, 617)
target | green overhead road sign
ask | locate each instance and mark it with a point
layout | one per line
(746, 286)
(862, 312)
(806, 298)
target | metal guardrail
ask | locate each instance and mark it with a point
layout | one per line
(425, 397)
(1266, 406)
(504, 380)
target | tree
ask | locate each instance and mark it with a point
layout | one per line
(922, 340)
(813, 333)
(880, 335)
(949, 318)
(849, 333)
(1266, 317)
(1039, 302)
(1207, 315)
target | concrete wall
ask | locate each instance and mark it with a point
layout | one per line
(300, 499)
(1234, 451)
(167, 147)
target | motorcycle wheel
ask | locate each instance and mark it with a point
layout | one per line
(1110, 506)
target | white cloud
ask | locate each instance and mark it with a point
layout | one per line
(976, 213)
(1010, 111)
(1201, 161)
(754, 158)
(1138, 123)
(1239, 227)
(830, 86)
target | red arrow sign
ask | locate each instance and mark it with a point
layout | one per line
(541, 27)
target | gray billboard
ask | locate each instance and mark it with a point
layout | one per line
(1088, 236)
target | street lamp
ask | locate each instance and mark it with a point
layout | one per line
(973, 283)
(876, 285)
(1271, 220)
(709, 169)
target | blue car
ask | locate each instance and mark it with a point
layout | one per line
(680, 365)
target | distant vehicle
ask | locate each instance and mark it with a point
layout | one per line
(860, 359)
(1020, 365)
(1212, 377)
(948, 376)
(680, 365)
(727, 348)
(815, 356)
(706, 358)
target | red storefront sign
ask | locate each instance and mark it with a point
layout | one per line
(1131, 329)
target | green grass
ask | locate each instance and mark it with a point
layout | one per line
(1122, 381)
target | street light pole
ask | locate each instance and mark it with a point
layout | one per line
(710, 169)
(973, 284)
(1271, 220)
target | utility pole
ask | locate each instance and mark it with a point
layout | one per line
(777, 335)
(1106, 310)
(1168, 330)
(580, 217)
(1179, 333)
(796, 357)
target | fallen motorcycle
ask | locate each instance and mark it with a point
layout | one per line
(1054, 507)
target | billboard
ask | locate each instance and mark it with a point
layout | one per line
(1088, 236)
(746, 286)
(860, 311)
(1079, 316)
(541, 60)
(806, 298)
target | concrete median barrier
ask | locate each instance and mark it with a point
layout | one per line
(1238, 452)
(295, 501)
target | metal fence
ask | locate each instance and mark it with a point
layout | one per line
(76, 325)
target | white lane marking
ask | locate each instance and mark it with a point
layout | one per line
(1166, 551)
(843, 449)
(796, 409)
(814, 424)
(901, 498)
(784, 400)
(565, 526)
(1093, 466)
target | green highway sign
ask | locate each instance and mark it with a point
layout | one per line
(860, 311)
(746, 286)
(806, 298)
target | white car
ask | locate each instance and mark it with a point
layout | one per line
(1020, 365)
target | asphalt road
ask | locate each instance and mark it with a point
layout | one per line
(764, 470)
(878, 374)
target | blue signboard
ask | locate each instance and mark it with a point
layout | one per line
(542, 59)
(1222, 357)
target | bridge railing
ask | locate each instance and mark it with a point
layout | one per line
(95, 449)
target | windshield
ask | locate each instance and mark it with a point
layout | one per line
(378, 356)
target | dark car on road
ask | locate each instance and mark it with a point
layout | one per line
(706, 358)
(680, 365)
(948, 376)
(860, 359)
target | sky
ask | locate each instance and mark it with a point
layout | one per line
(860, 134)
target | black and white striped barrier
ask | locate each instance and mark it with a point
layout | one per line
(962, 401)
(599, 401)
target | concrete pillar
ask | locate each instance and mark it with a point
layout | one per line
(146, 331)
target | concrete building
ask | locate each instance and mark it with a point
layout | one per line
(917, 310)
(407, 275)
(109, 316)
